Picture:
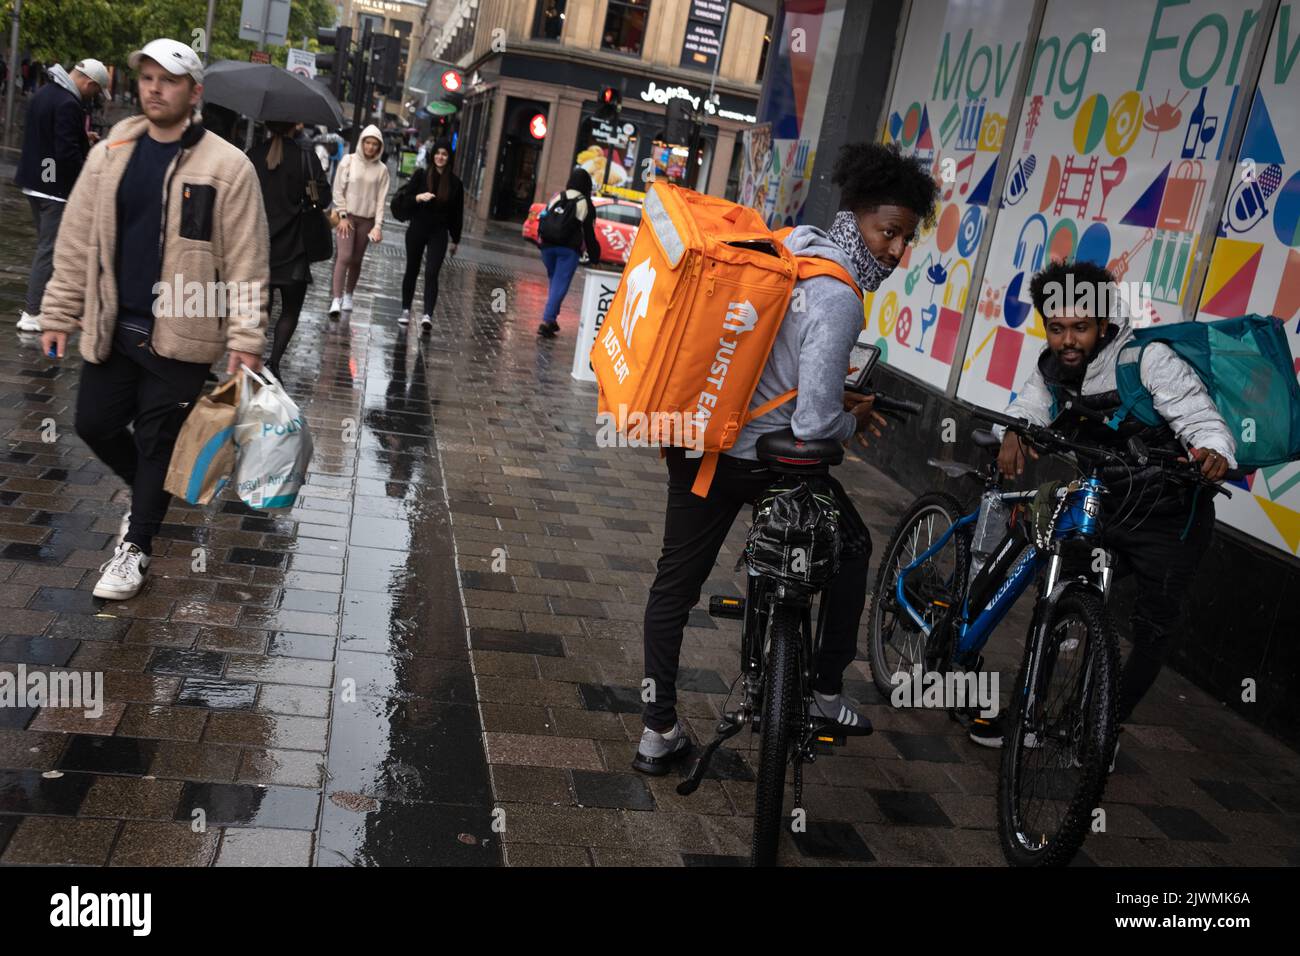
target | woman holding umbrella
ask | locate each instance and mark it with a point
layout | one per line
(360, 191)
(284, 169)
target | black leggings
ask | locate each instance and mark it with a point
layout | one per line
(694, 531)
(429, 242)
(291, 300)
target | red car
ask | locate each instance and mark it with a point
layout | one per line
(617, 221)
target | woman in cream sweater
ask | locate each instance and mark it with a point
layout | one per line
(360, 191)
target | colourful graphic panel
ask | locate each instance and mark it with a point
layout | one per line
(1255, 263)
(955, 82)
(1126, 109)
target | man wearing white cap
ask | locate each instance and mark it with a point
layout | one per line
(54, 148)
(147, 348)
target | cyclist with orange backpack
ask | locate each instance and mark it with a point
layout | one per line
(886, 196)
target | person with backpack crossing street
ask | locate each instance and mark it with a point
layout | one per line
(567, 226)
(1158, 530)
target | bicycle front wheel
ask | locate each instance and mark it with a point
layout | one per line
(895, 644)
(780, 718)
(1060, 738)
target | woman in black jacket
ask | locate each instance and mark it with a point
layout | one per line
(284, 169)
(574, 230)
(436, 199)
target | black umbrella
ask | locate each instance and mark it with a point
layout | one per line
(269, 94)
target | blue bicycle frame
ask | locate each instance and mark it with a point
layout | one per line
(1080, 517)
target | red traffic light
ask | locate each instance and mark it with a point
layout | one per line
(451, 81)
(537, 126)
(610, 96)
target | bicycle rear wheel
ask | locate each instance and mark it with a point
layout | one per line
(1058, 747)
(895, 643)
(780, 719)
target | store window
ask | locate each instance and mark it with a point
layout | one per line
(625, 26)
(607, 151)
(548, 22)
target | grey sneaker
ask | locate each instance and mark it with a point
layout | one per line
(657, 751)
(841, 712)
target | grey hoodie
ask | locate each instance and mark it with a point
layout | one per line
(811, 353)
(61, 76)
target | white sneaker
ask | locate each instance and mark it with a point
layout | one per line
(123, 576)
(404, 318)
(28, 323)
(426, 323)
(334, 306)
(347, 302)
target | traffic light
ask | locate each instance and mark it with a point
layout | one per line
(608, 103)
(335, 65)
(681, 116)
(385, 51)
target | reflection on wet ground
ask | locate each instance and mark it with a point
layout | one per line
(309, 692)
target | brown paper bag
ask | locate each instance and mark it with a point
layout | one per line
(204, 457)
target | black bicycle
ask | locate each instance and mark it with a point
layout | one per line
(787, 571)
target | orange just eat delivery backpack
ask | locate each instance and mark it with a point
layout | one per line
(688, 333)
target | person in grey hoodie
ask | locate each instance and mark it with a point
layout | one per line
(886, 196)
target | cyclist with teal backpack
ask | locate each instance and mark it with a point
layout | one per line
(1157, 530)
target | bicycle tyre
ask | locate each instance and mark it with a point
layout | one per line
(780, 717)
(1100, 729)
(933, 502)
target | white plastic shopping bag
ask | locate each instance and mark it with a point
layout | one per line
(273, 443)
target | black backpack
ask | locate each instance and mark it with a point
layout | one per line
(559, 224)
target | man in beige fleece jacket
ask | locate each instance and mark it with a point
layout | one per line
(155, 309)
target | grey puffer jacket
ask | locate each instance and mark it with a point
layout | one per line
(1179, 395)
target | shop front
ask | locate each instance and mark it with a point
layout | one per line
(528, 120)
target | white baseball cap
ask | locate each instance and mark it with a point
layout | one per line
(95, 70)
(172, 55)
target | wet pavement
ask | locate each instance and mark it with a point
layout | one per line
(435, 656)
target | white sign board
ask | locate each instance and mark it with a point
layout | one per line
(254, 16)
(302, 62)
(597, 293)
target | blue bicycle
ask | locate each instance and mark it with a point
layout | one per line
(950, 575)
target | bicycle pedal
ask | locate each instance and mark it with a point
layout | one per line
(726, 607)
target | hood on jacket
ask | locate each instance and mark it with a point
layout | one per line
(61, 76)
(811, 241)
(371, 130)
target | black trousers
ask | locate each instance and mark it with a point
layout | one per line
(1162, 552)
(694, 531)
(151, 394)
(428, 243)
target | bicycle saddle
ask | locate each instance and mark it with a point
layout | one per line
(955, 469)
(784, 452)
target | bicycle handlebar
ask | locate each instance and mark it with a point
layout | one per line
(901, 406)
(1150, 461)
